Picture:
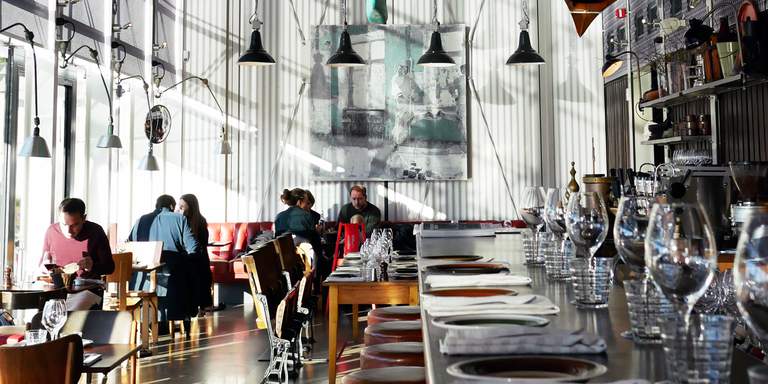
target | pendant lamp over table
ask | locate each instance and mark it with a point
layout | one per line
(435, 55)
(525, 54)
(256, 55)
(345, 55)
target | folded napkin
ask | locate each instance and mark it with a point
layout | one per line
(481, 280)
(348, 269)
(504, 305)
(516, 339)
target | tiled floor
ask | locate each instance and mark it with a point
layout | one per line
(224, 348)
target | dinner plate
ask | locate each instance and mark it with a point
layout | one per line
(453, 257)
(407, 270)
(344, 275)
(470, 292)
(466, 268)
(527, 369)
(404, 276)
(488, 321)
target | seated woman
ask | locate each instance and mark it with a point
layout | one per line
(294, 219)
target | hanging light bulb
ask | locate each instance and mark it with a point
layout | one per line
(345, 55)
(435, 55)
(525, 54)
(256, 55)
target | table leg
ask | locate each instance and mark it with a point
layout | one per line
(355, 321)
(413, 296)
(333, 324)
(145, 307)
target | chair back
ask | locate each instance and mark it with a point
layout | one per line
(353, 236)
(265, 276)
(103, 327)
(286, 315)
(121, 276)
(58, 361)
(289, 258)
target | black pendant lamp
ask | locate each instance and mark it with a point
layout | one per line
(256, 55)
(345, 56)
(435, 55)
(525, 54)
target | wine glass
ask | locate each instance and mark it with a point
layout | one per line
(750, 274)
(54, 316)
(680, 254)
(532, 212)
(587, 222)
(629, 231)
(554, 217)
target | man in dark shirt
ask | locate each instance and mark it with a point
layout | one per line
(359, 205)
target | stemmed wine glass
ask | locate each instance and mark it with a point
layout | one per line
(54, 316)
(554, 216)
(532, 212)
(680, 254)
(750, 274)
(587, 222)
(629, 231)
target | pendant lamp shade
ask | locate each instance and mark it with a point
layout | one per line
(224, 147)
(345, 56)
(35, 146)
(256, 55)
(110, 140)
(698, 34)
(612, 64)
(435, 55)
(149, 162)
(525, 54)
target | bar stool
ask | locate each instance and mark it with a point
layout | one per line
(392, 332)
(389, 375)
(396, 313)
(405, 354)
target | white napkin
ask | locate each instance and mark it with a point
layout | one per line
(515, 339)
(503, 305)
(482, 280)
(348, 269)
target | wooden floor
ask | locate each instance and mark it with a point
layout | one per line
(223, 348)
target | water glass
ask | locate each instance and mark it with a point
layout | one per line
(750, 274)
(701, 353)
(592, 278)
(646, 306)
(557, 260)
(587, 222)
(532, 257)
(532, 213)
(35, 336)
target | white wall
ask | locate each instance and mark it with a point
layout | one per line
(541, 117)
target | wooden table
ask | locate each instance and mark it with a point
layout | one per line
(112, 355)
(356, 293)
(29, 297)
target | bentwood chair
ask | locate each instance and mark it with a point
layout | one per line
(141, 308)
(290, 260)
(104, 327)
(58, 361)
(267, 284)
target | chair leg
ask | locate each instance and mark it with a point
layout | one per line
(134, 369)
(155, 321)
(104, 378)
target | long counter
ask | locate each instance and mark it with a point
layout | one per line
(624, 359)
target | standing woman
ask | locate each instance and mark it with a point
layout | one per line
(200, 269)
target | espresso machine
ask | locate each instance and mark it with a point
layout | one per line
(750, 178)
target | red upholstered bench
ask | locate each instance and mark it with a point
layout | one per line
(238, 235)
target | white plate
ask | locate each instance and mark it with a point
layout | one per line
(488, 321)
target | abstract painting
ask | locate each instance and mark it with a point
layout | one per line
(391, 119)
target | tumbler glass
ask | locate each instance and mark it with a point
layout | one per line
(592, 279)
(701, 353)
(646, 306)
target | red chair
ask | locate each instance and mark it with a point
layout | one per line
(354, 237)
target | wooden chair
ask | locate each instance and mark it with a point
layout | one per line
(269, 290)
(290, 260)
(354, 237)
(58, 361)
(122, 299)
(104, 327)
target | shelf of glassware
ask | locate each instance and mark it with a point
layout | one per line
(676, 140)
(712, 88)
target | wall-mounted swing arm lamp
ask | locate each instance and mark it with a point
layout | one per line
(699, 33)
(256, 55)
(109, 139)
(34, 146)
(149, 161)
(613, 63)
(345, 55)
(525, 54)
(223, 147)
(435, 55)
(63, 45)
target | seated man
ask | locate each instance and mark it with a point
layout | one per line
(179, 248)
(75, 240)
(359, 205)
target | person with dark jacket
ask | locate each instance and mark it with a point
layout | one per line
(179, 249)
(201, 276)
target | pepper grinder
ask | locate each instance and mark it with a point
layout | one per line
(8, 278)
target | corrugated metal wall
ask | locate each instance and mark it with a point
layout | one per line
(616, 118)
(743, 122)
(260, 101)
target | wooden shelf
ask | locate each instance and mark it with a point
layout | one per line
(676, 140)
(712, 88)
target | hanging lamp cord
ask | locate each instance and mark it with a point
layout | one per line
(435, 22)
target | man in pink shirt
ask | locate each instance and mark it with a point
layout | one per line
(66, 241)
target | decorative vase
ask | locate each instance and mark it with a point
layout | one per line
(376, 10)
